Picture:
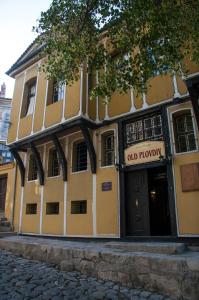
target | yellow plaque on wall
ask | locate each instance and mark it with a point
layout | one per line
(144, 152)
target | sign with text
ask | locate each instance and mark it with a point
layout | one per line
(106, 186)
(144, 152)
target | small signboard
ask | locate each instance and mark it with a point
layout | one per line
(144, 152)
(106, 186)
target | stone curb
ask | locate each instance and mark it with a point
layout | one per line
(176, 276)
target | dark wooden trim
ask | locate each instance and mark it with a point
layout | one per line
(193, 88)
(121, 180)
(61, 156)
(38, 162)
(20, 164)
(171, 193)
(90, 147)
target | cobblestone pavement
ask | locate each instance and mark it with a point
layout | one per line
(26, 279)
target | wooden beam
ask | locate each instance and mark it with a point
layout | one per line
(20, 164)
(38, 162)
(90, 147)
(61, 156)
(193, 88)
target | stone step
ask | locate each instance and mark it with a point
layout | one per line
(5, 228)
(152, 247)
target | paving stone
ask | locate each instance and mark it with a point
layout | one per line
(32, 280)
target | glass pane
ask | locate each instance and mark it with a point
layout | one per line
(157, 121)
(189, 123)
(148, 123)
(182, 143)
(157, 131)
(148, 133)
(180, 123)
(191, 141)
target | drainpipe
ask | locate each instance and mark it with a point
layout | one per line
(13, 198)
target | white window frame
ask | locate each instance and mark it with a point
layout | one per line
(71, 164)
(173, 135)
(100, 147)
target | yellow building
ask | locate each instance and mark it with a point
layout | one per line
(88, 169)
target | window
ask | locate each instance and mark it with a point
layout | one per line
(53, 163)
(29, 98)
(55, 91)
(79, 207)
(185, 140)
(145, 129)
(108, 149)
(32, 171)
(79, 156)
(52, 208)
(31, 209)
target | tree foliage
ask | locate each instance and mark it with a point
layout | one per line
(127, 41)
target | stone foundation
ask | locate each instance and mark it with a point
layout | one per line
(174, 275)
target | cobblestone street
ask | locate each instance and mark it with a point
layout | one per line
(26, 279)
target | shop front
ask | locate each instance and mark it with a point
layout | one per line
(148, 192)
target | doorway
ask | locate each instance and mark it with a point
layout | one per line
(147, 204)
(3, 187)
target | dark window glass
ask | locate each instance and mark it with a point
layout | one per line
(108, 149)
(52, 208)
(32, 171)
(79, 157)
(184, 132)
(79, 207)
(31, 209)
(53, 163)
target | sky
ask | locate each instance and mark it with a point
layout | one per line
(16, 22)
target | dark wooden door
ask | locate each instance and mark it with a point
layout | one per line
(3, 186)
(137, 203)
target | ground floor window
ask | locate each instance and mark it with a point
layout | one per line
(31, 209)
(52, 208)
(107, 149)
(79, 162)
(32, 170)
(79, 207)
(53, 163)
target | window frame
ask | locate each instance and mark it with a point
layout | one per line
(27, 96)
(31, 180)
(190, 109)
(76, 141)
(102, 134)
(51, 91)
(48, 153)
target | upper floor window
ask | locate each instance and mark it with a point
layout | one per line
(149, 128)
(53, 163)
(32, 170)
(185, 139)
(107, 149)
(79, 156)
(29, 98)
(55, 91)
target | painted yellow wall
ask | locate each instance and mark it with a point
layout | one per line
(79, 188)
(40, 102)
(25, 126)
(160, 89)
(187, 202)
(72, 100)
(107, 203)
(119, 104)
(53, 113)
(18, 89)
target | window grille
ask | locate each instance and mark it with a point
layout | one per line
(53, 163)
(108, 149)
(32, 171)
(31, 209)
(185, 140)
(79, 207)
(79, 157)
(145, 129)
